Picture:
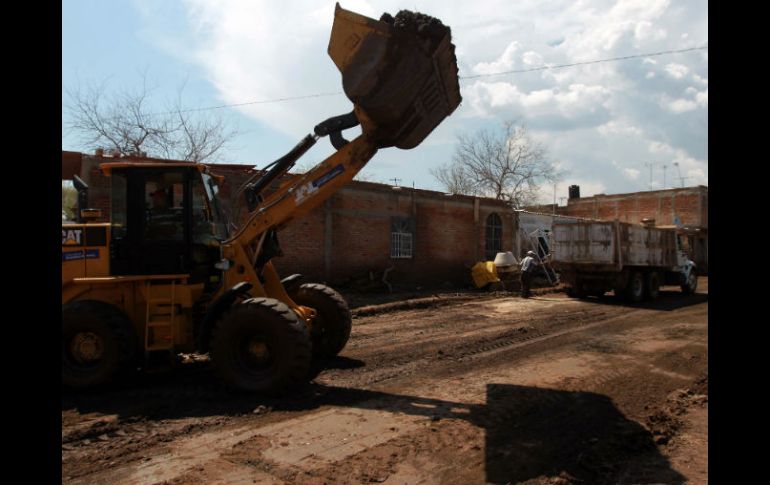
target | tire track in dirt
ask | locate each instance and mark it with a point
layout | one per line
(392, 357)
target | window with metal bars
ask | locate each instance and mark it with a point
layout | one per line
(401, 238)
(401, 245)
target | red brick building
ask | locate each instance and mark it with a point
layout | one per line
(365, 231)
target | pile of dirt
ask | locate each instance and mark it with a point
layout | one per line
(665, 422)
(419, 23)
(410, 304)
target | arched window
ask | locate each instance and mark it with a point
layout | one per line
(494, 236)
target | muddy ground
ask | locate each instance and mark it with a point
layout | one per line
(485, 389)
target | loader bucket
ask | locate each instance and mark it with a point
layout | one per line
(400, 73)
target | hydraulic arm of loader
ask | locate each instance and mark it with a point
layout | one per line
(401, 75)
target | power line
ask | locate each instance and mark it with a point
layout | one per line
(612, 59)
(462, 78)
(277, 100)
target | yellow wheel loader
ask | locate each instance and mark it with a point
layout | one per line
(168, 275)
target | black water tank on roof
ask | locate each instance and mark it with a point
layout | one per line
(574, 191)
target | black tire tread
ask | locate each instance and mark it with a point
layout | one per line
(296, 338)
(629, 288)
(116, 322)
(652, 285)
(310, 294)
(686, 287)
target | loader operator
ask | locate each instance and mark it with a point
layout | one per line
(163, 222)
(528, 265)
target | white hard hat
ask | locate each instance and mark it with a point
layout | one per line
(530, 253)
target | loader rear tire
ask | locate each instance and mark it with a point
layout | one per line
(261, 346)
(332, 326)
(98, 342)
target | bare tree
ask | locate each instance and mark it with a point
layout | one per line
(456, 179)
(505, 164)
(123, 122)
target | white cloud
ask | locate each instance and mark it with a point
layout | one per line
(702, 98)
(677, 71)
(695, 169)
(631, 173)
(618, 127)
(700, 80)
(604, 29)
(658, 148)
(505, 62)
(682, 105)
(644, 31)
(256, 50)
(532, 58)
(578, 101)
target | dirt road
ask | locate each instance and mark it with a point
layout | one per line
(493, 390)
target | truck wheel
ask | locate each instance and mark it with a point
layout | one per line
(97, 342)
(331, 327)
(689, 287)
(260, 346)
(635, 288)
(653, 285)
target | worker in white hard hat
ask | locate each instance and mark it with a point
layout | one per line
(528, 265)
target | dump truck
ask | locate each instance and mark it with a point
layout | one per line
(632, 260)
(168, 274)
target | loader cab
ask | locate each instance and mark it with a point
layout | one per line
(165, 220)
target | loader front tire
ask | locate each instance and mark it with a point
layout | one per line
(97, 343)
(261, 346)
(331, 328)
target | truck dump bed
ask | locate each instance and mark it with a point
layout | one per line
(609, 246)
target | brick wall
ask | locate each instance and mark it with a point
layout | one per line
(349, 236)
(689, 204)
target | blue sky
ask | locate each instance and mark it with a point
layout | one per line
(600, 122)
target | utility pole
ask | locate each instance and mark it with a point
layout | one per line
(664, 175)
(554, 199)
(650, 164)
(395, 181)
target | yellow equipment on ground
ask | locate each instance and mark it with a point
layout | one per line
(166, 275)
(484, 273)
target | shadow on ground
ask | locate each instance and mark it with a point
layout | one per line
(668, 300)
(530, 433)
